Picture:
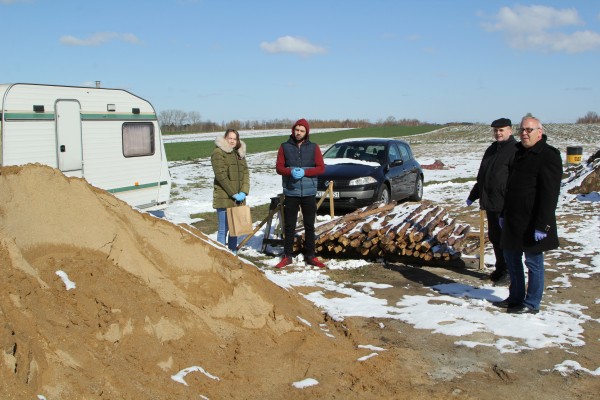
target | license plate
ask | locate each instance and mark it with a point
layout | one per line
(336, 195)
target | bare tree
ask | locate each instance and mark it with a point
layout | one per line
(194, 118)
(179, 117)
(590, 118)
(390, 121)
(165, 118)
(235, 124)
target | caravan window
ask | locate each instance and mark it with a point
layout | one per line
(138, 139)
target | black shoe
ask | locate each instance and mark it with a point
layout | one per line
(498, 275)
(521, 309)
(505, 304)
(504, 280)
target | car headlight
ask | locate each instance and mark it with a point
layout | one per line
(362, 181)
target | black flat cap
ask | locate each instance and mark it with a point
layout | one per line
(499, 123)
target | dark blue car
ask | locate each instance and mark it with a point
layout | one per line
(364, 171)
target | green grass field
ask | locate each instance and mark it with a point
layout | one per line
(194, 150)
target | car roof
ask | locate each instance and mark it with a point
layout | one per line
(369, 140)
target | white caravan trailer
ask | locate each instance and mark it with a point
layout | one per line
(110, 137)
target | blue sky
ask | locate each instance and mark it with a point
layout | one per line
(436, 61)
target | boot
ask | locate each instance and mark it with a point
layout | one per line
(286, 260)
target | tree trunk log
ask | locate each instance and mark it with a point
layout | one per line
(420, 231)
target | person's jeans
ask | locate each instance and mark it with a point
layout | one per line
(223, 229)
(291, 205)
(531, 296)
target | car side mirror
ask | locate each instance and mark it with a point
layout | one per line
(396, 163)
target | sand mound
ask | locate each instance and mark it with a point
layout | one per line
(150, 299)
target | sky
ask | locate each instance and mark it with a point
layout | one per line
(434, 60)
(455, 308)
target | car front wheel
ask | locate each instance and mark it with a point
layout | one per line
(384, 194)
(418, 193)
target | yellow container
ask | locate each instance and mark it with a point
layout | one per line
(574, 154)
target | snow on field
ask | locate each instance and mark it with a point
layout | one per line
(455, 309)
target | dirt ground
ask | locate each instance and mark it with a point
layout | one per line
(482, 372)
(153, 299)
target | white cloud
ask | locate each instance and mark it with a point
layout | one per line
(99, 38)
(534, 18)
(294, 45)
(537, 28)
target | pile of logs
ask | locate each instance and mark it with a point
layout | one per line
(394, 232)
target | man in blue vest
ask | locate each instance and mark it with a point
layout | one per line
(299, 162)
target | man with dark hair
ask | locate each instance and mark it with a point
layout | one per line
(490, 188)
(528, 220)
(299, 162)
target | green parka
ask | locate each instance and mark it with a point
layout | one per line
(231, 173)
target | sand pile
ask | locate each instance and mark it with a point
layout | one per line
(150, 300)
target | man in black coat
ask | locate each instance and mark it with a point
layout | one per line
(528, 220)
(490, 188)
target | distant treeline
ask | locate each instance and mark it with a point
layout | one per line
(180, 121)
(589, 118)
(177, 121)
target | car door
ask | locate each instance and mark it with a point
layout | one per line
(409, 170)
(395, 174)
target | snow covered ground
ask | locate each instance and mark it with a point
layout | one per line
(455, 309)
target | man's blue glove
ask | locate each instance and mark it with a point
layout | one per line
(297, 173)
(501, 222)
(469, 202)
(539, 235)
(239, 197)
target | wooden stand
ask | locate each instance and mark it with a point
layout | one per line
(481, 240)
(328, 193)
(276, 207)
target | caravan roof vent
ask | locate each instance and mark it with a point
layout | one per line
(38, 108)
(135, 110)
(111, 107)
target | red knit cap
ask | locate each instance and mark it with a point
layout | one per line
(302, 122)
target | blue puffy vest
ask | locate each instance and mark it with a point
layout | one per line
(302, 156)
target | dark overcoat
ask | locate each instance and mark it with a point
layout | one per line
(532, 194)
(490, 188)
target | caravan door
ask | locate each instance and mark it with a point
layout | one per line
(68, 137)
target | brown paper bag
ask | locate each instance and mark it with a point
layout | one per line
(239, 220)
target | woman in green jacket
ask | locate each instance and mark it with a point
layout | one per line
(232, 181)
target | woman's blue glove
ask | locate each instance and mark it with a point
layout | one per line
(297, 173)
(539, 235)
(239, 197)
(469, 202)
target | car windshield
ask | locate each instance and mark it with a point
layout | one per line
(357, 152)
